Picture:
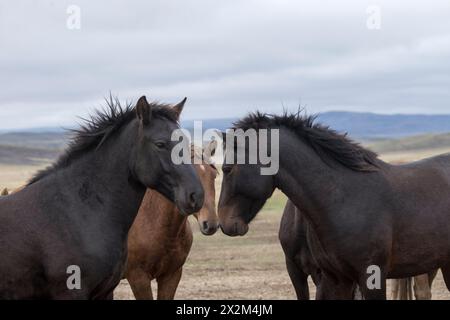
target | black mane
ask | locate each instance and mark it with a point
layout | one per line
(325, 141)
(96, 129)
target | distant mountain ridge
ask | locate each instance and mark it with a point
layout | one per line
(359, 125)
(221, 123)
(383, 133)
(364, 125)
(21, 155)
(33, 139)
(410, 143)
(371, 125)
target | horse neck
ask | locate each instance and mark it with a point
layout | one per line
(311, 184)
(105, 174)
(162, 215)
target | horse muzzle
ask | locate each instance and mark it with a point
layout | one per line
(189, 201)
(234, 228)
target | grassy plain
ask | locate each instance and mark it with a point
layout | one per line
(250, 267)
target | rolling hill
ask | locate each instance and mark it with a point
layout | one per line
(413, 143)
(20, 155)
(382, 133)
(359, 125)
(40, 140)
(371, 125)
(364, 126)
(29, 148)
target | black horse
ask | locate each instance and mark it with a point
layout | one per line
(300, 263)
(294, 234)
(371, 220)
(78, 212)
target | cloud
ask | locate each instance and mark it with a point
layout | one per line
(227, 57)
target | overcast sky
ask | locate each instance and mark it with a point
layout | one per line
(227, 57)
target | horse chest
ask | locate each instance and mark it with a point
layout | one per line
(169, 257)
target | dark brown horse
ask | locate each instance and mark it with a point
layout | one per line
(371, 220)
(64, 236)
(301, 264)
(161, 238)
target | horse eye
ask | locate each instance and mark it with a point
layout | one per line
(226, 169)
(160, 144)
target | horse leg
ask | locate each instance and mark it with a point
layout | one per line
(371, 292)
(400, 289)
(107, 296)
(431, 276)
(422, 289)
(299, 280)
(395, 289)
(357, 294)
(110, 296)
(409, 288)
(332, 289)
(446, 273)
(140, 283)
(168, 284)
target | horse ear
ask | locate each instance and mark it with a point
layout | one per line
(179, 107)
(211, 148)
(143, 110)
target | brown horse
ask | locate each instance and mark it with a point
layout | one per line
(160, 238)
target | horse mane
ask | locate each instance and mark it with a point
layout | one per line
(326, 142)
(198, 152)
(98, 127)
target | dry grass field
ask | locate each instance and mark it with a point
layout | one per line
(250, 267)
(13, 176)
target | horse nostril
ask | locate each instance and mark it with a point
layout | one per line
(205, 225)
